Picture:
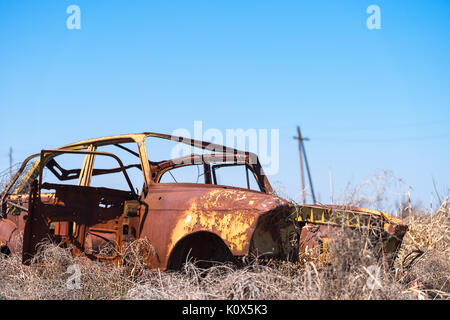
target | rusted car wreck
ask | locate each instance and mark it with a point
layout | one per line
(200, 218)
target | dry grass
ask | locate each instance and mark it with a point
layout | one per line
(347, 279)
(47, 279)
(425, 277)
(422, 270)
(424, 260)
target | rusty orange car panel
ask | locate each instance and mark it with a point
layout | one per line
(177, 210)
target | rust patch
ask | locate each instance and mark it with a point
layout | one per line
(205, 214)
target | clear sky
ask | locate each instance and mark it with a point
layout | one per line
(369, 100)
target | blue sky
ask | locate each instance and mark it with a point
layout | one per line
(369, 100)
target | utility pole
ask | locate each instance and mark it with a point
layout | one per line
(308, 171)
(300, 153)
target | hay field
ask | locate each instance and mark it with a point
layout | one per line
(422, 271)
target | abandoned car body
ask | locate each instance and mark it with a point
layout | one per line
(206, 221)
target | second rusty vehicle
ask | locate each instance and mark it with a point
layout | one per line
(213, 205)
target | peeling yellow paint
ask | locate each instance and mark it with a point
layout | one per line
(231, 226)
(392, 218)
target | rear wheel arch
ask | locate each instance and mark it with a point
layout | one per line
(203, 246)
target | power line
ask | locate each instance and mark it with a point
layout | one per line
(444, 136)
(370, 127)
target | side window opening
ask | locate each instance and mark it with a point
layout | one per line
(227, 174)
(129, 156)
(112, 179)
(234, 175)
(108, 174)
(71, 169)
(63, 169)
(184, 174)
